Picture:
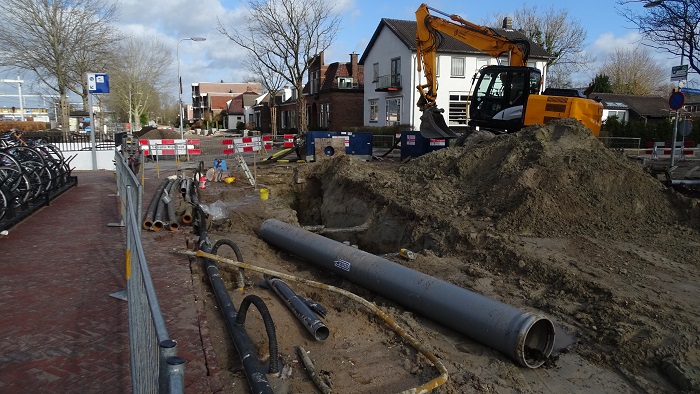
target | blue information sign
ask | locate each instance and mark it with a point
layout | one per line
(98, 83)
(676, 100)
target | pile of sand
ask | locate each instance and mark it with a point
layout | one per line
(556, 179)
(552, 180)
(158, 134)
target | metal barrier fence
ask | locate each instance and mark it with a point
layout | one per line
(78, 142)
(622, 142)
(155, 366)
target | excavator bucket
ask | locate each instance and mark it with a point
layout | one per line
(432, 124)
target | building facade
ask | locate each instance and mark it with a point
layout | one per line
(391, 75)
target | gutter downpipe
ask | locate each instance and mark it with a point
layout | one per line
(526, 338)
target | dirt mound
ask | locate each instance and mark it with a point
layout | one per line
(546, 219)
(150, 133)
(552, 180)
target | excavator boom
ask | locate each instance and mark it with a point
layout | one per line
(500, 100)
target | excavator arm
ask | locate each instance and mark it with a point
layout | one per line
(429, 39)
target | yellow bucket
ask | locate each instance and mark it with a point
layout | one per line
(264, 193)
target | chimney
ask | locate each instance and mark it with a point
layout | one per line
(508, 23)
(354, 70)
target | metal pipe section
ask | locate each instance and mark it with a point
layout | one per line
(300, 308)
(170, 205)
(526, 338)
(151, 211)
(691, 182)
(187, 215)
(158, 222)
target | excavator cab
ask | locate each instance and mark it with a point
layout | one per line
(499, 97)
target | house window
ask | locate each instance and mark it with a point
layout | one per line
(457, 67)
(375, 76)
(459, 101)
(480, 63)
(344, 83)
(324, 115)
(315, 81)
(620, 115)
(437, 66)
(373, 110)
(393, 111)
(396, 71)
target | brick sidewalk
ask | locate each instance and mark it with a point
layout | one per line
(61, 331)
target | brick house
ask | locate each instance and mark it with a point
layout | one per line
(334, 95)
(240, 109)
(207, 97)
(629, 107)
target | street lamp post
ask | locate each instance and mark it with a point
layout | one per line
(179, 77)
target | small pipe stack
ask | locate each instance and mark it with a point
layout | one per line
(162, 210)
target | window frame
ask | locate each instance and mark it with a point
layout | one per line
(374, 110)
(452, 66)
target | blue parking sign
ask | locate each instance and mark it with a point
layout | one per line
(98, 83)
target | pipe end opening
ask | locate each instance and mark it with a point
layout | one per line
(322, 333)
(537, 344)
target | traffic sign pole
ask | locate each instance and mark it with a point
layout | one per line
(675, 135)
(676, 102)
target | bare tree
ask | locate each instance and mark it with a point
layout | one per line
(561, 36)
(284, 35)
(43, 37)
(670, 25)
(142, 72)
(634, 71)
(271, 81)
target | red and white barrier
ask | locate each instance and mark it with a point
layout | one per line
(438, 142)
(289, 140)
(246, 144)
(170, 147)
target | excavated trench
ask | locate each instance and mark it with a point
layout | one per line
(337, 212)
(547, 219)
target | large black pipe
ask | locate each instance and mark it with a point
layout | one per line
(300, 308)
(158, 221)
(255, 375)
(170, 205)
(525, 337)
(151, 211)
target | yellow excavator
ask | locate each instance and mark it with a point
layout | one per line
(504, 98)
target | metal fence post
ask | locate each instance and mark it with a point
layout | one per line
(167, 349)
(176, 374)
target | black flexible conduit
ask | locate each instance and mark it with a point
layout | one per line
(158, 221)
(151, 211)
(239, 257)
(172, 216)
(257, 379)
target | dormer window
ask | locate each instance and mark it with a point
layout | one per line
(345, 83)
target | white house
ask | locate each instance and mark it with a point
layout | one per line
(391, 75)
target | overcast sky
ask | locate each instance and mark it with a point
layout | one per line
(218, 58)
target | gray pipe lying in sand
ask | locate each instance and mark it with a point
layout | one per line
(525, 337)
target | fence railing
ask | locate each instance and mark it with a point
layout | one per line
(80, 141)
(155, 366)
(621, 142)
